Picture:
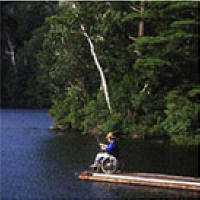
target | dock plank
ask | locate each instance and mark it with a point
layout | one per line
(162, 176)
(148, 179)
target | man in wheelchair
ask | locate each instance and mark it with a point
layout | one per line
(107, 160)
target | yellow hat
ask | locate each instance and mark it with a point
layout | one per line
(110, 135)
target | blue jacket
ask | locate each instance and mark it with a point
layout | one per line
(112, 148)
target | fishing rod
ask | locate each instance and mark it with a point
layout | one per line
(100, 144)
(98, 141)
(97, 138)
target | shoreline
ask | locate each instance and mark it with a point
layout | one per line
(160, 139)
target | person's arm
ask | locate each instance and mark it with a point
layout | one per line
(103, 146)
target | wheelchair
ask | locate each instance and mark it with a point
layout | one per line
(108, 165)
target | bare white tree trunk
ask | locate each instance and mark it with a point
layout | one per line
(103, 80)
(11, 53)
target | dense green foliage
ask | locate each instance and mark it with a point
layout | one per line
(23, 28)
(153, 92)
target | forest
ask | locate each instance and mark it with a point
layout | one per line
(147, 50)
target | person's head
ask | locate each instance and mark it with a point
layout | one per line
(110, 136)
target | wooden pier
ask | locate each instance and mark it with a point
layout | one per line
(145, 179)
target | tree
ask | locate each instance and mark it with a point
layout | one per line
(168, 49)
(147, 51)
(20, 42)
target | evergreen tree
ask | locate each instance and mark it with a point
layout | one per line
(20, 43)
(147, 50)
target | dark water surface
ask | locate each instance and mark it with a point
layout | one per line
(36, 164)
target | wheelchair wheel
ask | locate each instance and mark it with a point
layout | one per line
(109, 165)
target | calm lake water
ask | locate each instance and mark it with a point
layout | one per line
(37, 164)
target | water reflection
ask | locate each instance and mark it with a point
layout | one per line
(37, 164)
(125, 191)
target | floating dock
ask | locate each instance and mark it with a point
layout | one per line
(145, 179)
